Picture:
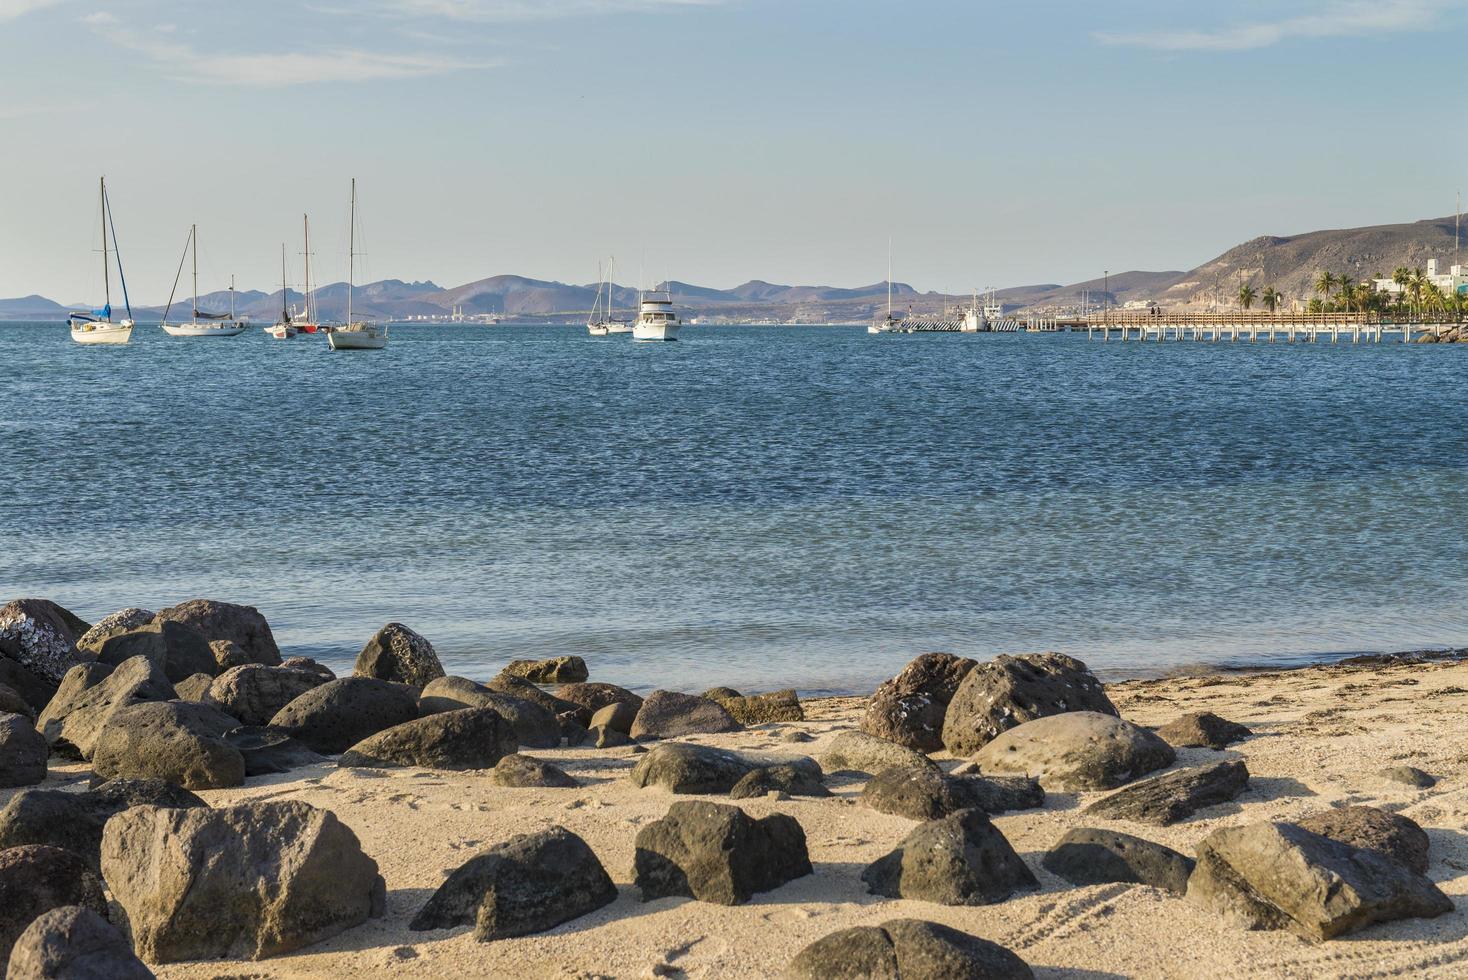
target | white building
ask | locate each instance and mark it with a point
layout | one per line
(1455, 280)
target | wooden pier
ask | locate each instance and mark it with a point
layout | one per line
(1159, 325)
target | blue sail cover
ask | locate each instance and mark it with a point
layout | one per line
(105, 312)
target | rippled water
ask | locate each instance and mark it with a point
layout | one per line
(754, 506)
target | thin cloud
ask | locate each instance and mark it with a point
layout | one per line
(11, 9)
(1359, 18)
(512, 11)
(274, 69)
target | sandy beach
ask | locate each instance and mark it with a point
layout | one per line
(1321, 734)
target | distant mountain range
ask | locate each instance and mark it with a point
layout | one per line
(1290, 264)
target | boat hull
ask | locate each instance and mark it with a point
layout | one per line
(655, 331)
(356, 340)
(201, 330)
(281, 331)
(596, 330)
(619, 328)
(110, 333)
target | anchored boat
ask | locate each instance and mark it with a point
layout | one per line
(202, 324)
(283, 329)
(356, 334)
(891, 324)
(602, 323)
(97, 326)
(656, 319)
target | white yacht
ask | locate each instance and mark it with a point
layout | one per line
(202, 324)
(656, 319)
(284, 328)
(97, 326)
(356, 334)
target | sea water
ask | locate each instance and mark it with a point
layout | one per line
(752, 506)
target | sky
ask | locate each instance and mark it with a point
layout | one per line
(712, 141)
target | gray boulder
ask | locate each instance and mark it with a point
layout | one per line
(923, 793)
(73, 942)
(521, 771)
(560, 670)
(11, 703)
(1087, 856)
(535, 726)
(41, 636)
(90, 694)
(617, 716)
(243, 882)
(1407, 776)
(226, 621)
(269, 750)
(1203, 729)
(1279, 876)
(179, 650)
(254, 693)
(35, 879)
(961, 859)
(519, 687)
(530, 883)
(594, 695)
(1164, 800)
(668, 714)
(306, 663)
(1077, 750)
(906, 949)
(176, 741)
(790, 780)
(194, 688)
(34, 690)
(682, 768)
(866, 753)
(1009, 691)
(604, 737)
(908, 709)
(337, 715)
(716, 853)
(396, 653)
(23, 752)
(227, 654)
(761, 709)
(73, 821)
(470, 738)
(1373, 829)
(113, 624)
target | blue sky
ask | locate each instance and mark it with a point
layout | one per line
(713, 141)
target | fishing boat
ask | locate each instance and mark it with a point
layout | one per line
(202, 324)
(891, 323)
(284, 328)
(97, 326)
(656, 319)
(355, 334)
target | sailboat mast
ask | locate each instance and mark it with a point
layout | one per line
(106, 273)
(231, 297)
(611, 283)
(352, 252)
(285, 313)
(889, 278)
(306, 221)
(194, 238)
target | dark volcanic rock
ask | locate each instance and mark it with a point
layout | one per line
(269, 750)
(961, 859)
(618, 716)
(176, 741)
(194, 688)
(23, 752)
(242, 625)
(1077, 750)
(1164, 800)
(715, 853)
(73, 942)
(306, 663)
(90, 694)
(243, 882)
(760, 709)
(682, 768)
(668, 714)
(1086, 856)
(503, 683)
(113, 624)
(35, 879)
(560, 670)
(906, 948)
(792, 780)
(337, 715)
(908, 709)
(469, 738)
(927, 794)
(1279, 876)
(396, 653)
(34, 689)
(1408, 776)
(522, 771)
(179, 650)
(41, 636)
(608, 738)
(1203, 729)
(526, 885)
(1373, 829)
(254, 693)
(535, 726)
(867, 753)
(592, 696)
(720, 693)
(11, 703)
(74, 821)
(1009, 691)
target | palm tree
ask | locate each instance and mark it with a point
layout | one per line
(1348, 289)
(1415, 283)
(1315, 306)
(1324, 283)
(1247, 296)
(1272, 298)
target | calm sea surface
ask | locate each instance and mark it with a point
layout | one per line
(753, 506)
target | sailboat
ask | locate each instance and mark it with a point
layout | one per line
(602, 322)
(355, 334)
(283, 329)
(596, 323)
(304, 319)
(891, 323)
(97, 326)
(202, 324)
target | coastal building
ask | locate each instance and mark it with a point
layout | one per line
(1455, 280)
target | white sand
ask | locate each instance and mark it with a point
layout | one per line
(1321, 733)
